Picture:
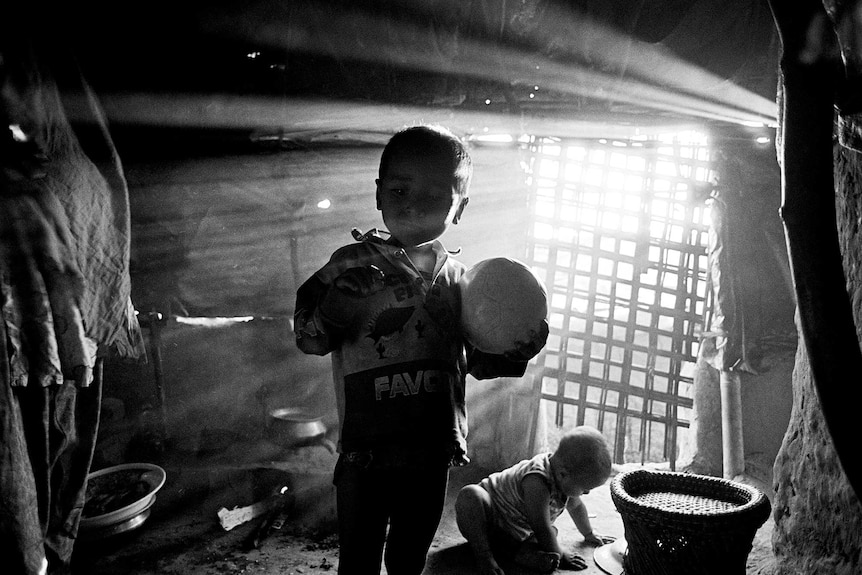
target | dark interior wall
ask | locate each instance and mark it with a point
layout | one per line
(818, 516)
(224, 380)
(235, 234)
(767, 399)
(220, 383)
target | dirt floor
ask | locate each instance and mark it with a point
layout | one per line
(183, 535)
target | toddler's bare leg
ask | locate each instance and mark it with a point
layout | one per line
(473, 514)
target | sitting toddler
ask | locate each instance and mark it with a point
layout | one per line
(511, 513)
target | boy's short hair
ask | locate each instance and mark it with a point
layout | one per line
(427, 140)
(584, 452)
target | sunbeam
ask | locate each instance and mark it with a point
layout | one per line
(610, 67)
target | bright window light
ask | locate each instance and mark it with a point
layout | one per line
(573, 171)
(616, 180)
(594, 176)
(543, 231)
(614, 198)
(576, 153)
(618, 160)
(550, 169)
(494, 138)
(628, 281)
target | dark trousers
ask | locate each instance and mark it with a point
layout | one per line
(47, 437)
(407, 499)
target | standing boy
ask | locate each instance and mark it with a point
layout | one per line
(388, 311)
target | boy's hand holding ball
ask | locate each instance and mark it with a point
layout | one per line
(527, 350)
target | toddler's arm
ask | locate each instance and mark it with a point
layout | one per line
(580, 516)
(537, 509)
(538, 512)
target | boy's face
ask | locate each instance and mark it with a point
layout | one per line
(418, 196)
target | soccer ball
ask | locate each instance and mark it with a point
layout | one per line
(502, 303)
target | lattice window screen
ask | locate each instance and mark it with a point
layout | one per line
(619, 233)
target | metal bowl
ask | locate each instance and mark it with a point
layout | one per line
(98, 533)
(292, 427)
(154, 478)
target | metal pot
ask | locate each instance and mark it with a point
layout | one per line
(291, 427)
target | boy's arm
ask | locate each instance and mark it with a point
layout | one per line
(308, 326)
(326, 313)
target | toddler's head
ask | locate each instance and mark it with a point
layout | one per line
(423, 183)
(584, 457)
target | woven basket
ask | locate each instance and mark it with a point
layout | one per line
(681, 523)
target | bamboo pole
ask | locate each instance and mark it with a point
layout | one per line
(732, 447)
